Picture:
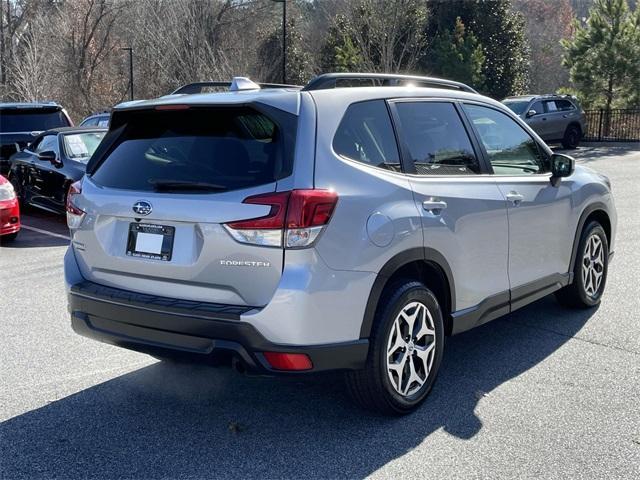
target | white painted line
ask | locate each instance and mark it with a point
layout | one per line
(45, 232)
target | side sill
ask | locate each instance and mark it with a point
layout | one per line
(505, 302)
(489, 309)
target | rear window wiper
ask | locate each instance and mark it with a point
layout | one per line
(164, 185)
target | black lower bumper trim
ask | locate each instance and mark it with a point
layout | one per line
(126, 321)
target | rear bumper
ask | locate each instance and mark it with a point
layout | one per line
(165, 326)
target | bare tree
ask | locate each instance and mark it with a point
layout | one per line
(87, 43)
(31, 68)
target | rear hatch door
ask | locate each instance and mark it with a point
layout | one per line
(160, 190)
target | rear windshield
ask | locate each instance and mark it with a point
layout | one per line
(19, 120)
(231, 148)
(80, 146)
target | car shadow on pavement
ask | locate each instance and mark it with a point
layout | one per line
(27, 239)
(187, 421)
(591, 152)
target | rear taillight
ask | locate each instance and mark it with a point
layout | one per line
(296, 218)
(74, 214)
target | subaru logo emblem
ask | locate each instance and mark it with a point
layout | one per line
(142, 208)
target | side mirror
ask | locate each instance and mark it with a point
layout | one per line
(561, 166)
(531, 113)
(50, 156)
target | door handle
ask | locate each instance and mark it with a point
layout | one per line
(434, 206)
(515, 198)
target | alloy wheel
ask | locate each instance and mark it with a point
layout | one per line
(411, 349)
(592, 265)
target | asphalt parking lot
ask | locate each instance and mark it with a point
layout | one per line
(544, 392)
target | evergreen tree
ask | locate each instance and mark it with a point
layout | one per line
(299, 62)
(603, 56)
(457, 55)
(500, 32)
(376, 36)
(339, 53)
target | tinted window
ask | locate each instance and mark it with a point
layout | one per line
(80, 146)
(537, 106)
(511, 150)
(90, 122)
(232, 148)
(564, 105)
(49, 143)
(517, 106)
(365, 135)
(436, 138)
(19, 120)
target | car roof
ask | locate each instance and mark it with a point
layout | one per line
(28, 105)
(543, 96)
(66, 130)
(283, 98)
(99, 114)
(521, 97)
(243, 91)
(289, 99)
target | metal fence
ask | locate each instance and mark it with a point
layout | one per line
(616, 125)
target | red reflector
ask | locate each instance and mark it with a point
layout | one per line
(172, 107)
(288, 361)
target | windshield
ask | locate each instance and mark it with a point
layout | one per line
(30, 120)
(229, 148)
(517, 106)
(80, 146)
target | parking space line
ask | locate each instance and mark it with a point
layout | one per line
(44, 232)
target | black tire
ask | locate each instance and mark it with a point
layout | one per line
(24, 207)
(576, 295)
(8, 238)
(371, 388)
(572, 136)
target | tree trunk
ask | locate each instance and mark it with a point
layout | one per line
(607, 111)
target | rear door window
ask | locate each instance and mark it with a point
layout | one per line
(564, 105)
(229, 148)
(30, 120)
(551, 106)
(365, 135)
(436, 139)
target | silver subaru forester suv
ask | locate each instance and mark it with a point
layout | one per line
(348, 225)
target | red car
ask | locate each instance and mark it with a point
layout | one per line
(9, 211)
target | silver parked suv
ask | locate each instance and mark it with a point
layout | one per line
(296, 230)
(555, 118)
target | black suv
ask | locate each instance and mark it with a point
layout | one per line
(21, 123)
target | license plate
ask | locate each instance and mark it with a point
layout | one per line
(150, 241)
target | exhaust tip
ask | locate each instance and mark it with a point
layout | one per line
(238, 365)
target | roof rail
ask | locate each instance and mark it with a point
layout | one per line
(200, 87)
(556, 95)
(331, 80)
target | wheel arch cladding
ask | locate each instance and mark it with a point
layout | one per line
(577, 125)
(598, 212)
(424, 264)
